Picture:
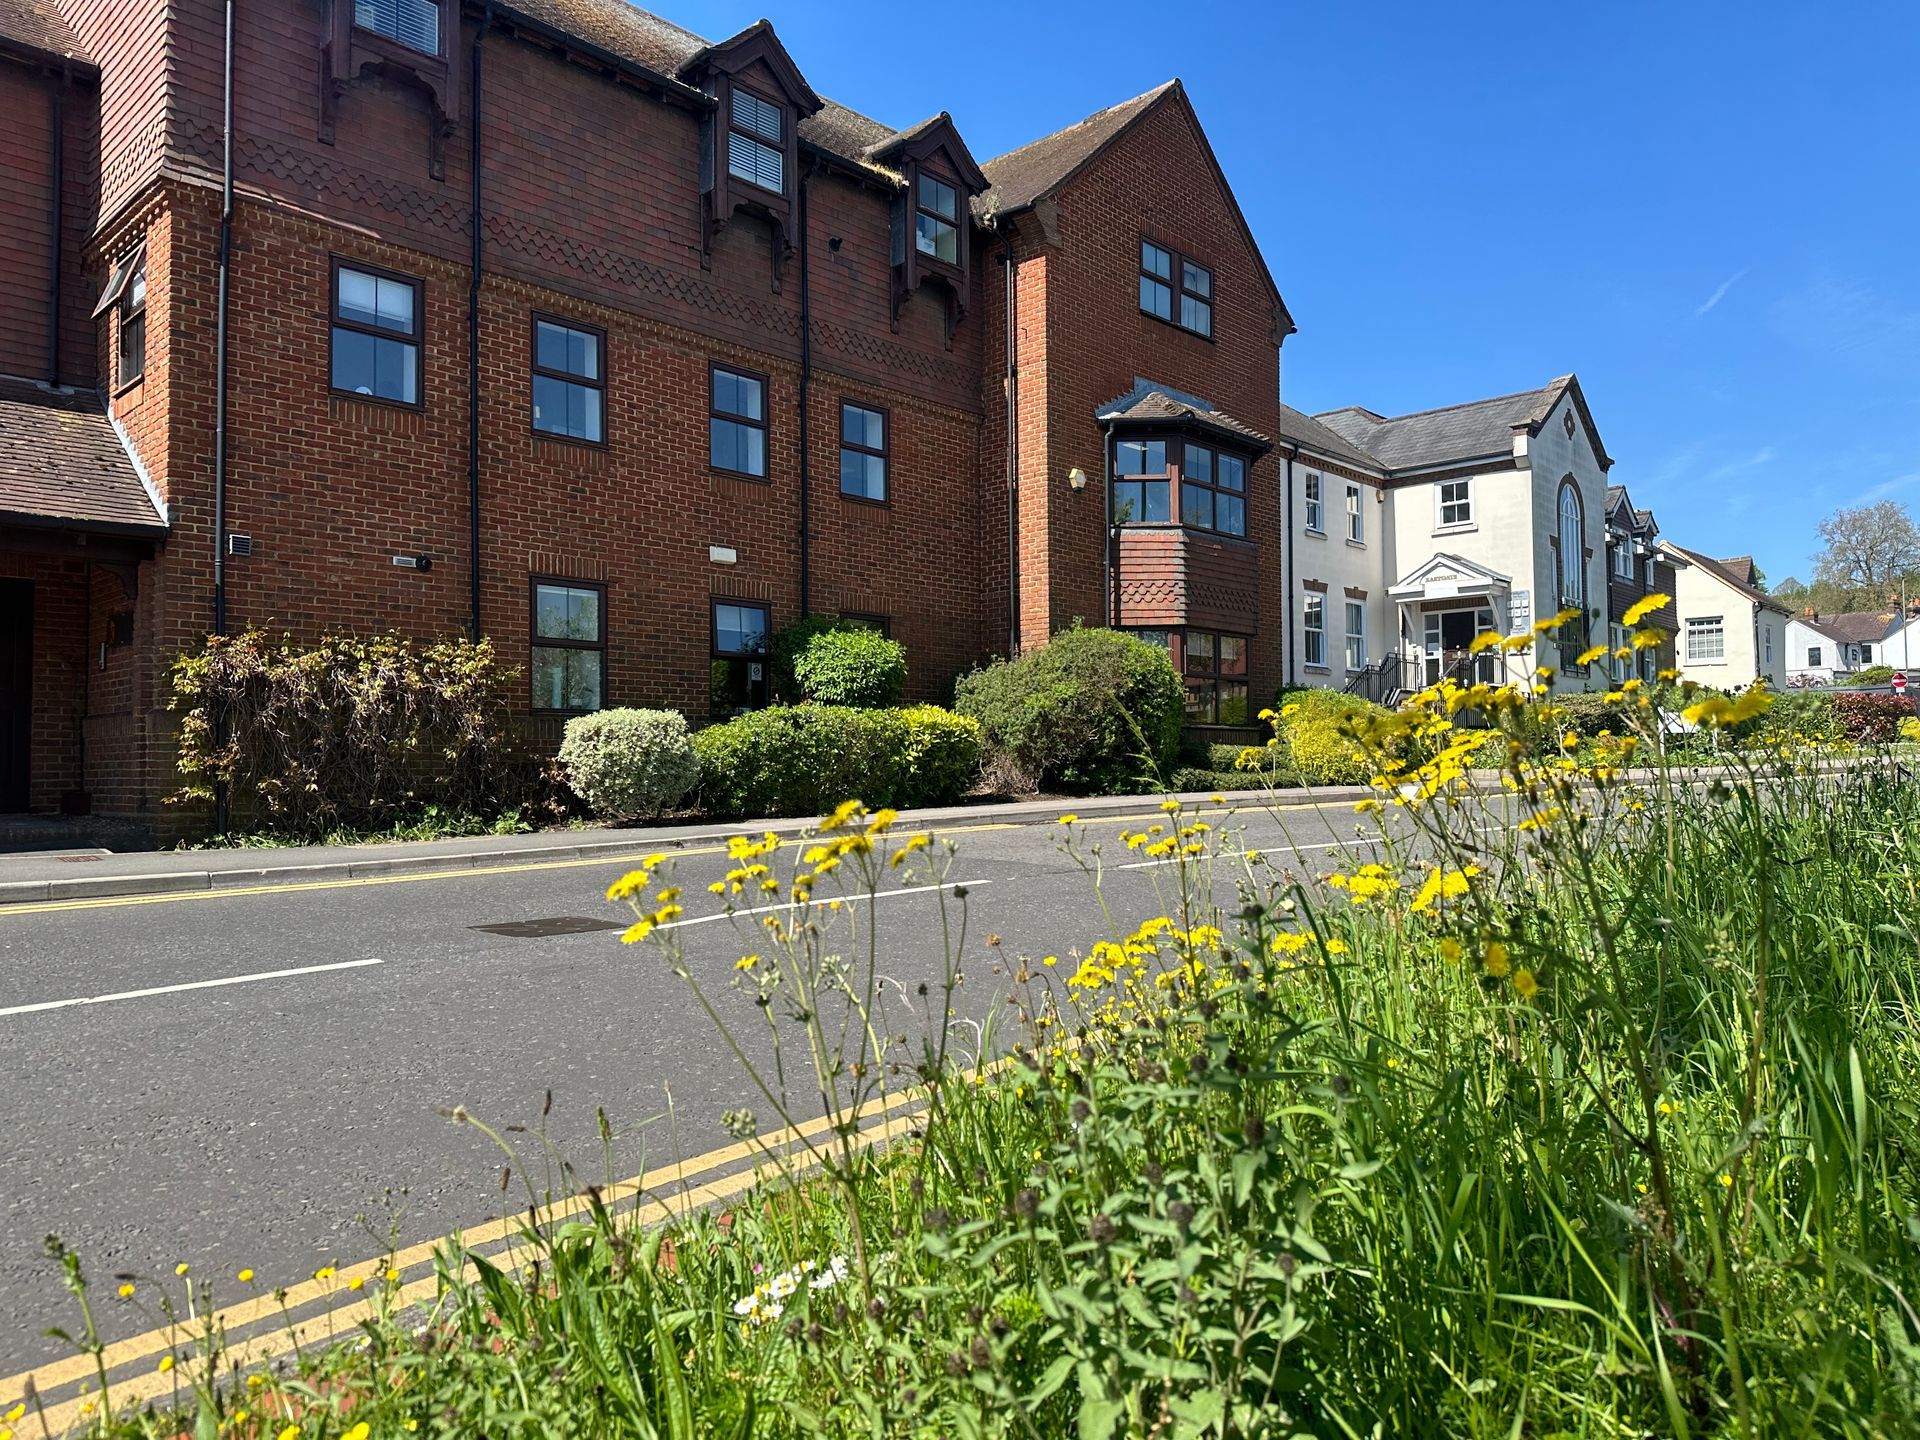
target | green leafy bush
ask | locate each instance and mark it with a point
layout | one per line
(1871, 719)
(940, 752)
(806, 759)
(859, 667)
(355, 733)
(1094, 711)
(630, 762)
(1316, 726)
(790, 642)
(1871, 675)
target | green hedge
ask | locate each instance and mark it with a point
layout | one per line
(1091, 712)
(1314, 727)
(806, 759)
(858, 667)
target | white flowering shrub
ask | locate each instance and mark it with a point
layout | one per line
(630, 762)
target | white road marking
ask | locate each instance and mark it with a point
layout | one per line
(845, 903)
(190, 985)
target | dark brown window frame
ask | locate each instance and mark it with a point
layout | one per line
(1176, 283)
(765, 657)
(953, 222)
(537, 641)
(885, 452)
(764, 424)
(127, 315)
(566, 377)
(882, 623)
(1216, 676)
(784, 149)
(1174, 477)
(417, 339)
(1214, 486)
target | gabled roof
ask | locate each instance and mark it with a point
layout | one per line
(62, 465)
(1146, 403)
(1454, 574)
(1620, 503)
(1324, 440)
(1022, 176)
(1455, 434)
(936, 132)
(755, 43)
(1858, 627)
(1718, 569)
(36, 26)
(642, 39)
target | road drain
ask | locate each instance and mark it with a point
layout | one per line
(556, 925)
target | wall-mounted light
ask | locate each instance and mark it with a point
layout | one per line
(1077, 478)
(412, 562)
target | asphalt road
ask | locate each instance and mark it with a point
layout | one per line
(288, 1122)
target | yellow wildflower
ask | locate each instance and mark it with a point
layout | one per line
(1451, 950)
(1067, 820)
(181, 1268)
(1485, 640)
(1524, 984)
(126, 1291)
(245, 1277)
(166, 1364)
(1640, 609)
(1591, 655)
(1497, 962)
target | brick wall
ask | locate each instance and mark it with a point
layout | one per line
(31, 98)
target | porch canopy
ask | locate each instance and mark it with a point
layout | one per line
(1453, 577)
(63, 468)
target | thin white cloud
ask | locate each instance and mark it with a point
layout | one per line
(1720, 294)
(1763, 456)
(1883, 490)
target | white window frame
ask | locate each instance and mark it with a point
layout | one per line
(1315, 503)
(1463, 506)
(1356, 516)
(1616, 642)
(1623, 557)
(1699, 630)
(1313, 629)
(1356, 639)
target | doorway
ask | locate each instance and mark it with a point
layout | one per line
(1447, 636)
(16, 691)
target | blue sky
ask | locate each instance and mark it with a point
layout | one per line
(1709, 211)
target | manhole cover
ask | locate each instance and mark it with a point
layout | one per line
(556, 925)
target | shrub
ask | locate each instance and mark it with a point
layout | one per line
(630, 762)
(940, 753)
(1871, 675)
(353, 733)
(806, 759)
(1803, 714)
(789, 642)
(1316, 725)
(858, 667)
(1871, 719)
(1093, 711)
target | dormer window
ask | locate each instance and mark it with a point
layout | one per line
(756, 142)
(936, 228)
(412, 23)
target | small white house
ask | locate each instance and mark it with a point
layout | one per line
(1824, 648)
(1731, 633)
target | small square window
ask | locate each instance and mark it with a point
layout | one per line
(1142, 483)
(569, 656)
(863, 451)
(569, 381)
(1215, 667)
(739, 667)
(1186, 300)
(737, 424)
(376, 334)
(1456, 502)
(1213, 490)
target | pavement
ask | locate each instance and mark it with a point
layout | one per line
(247, 1074)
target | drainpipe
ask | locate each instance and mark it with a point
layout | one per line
(473, 334)
(1106, 510)
(220, 797)
(1286, 577)
(59, 205)
(220, 339)
(1011, 387)
(806, 385)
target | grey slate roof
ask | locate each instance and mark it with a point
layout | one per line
(1859, 627)
(1146, 401)
(61, 464)
(1718, 569)
(1324, 440)
(38, 25)
(646, 40)
(1021, 176)
(1472, 431)
(1639, 519)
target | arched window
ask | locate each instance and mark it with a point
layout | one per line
(1572, 552)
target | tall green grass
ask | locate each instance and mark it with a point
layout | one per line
(1614, 1135)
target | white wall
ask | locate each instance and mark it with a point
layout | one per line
(1802, 640)
(1749, 628)
(1327, 556)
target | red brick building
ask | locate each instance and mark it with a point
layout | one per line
(553, 322)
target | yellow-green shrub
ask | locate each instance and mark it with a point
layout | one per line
(1315, 725)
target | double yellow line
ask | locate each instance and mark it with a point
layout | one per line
(311, 1312)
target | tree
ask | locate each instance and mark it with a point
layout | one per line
(1789, 589)
(1870, 550)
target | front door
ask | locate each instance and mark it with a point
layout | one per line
(16, 690)
(1448, 634)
